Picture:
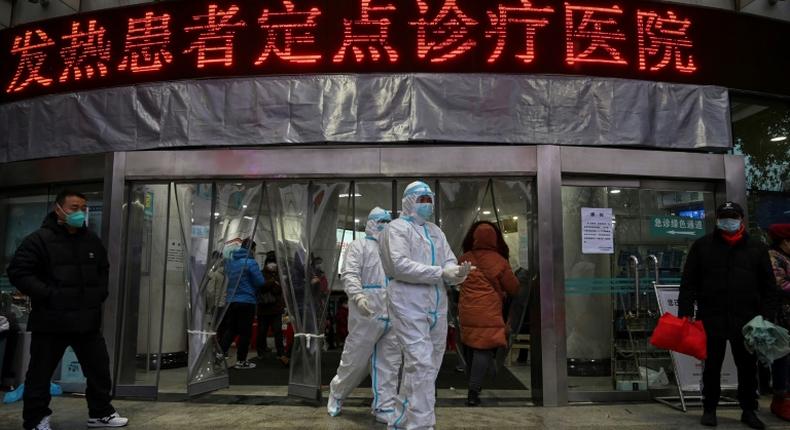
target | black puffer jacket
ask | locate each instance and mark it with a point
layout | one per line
(65, 275)
(730, 284)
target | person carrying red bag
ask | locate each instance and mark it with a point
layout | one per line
(729, 277)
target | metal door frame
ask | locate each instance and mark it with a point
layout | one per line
(584, 166)
(549, 164)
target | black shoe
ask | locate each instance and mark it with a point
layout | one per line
(473, 398)
(709, 418)
(750, 419)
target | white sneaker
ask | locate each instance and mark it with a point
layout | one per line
(245, 365)
(44, 424)
(113, 420)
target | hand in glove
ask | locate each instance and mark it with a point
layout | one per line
(465, 268)
(363, 305)
(454, 275)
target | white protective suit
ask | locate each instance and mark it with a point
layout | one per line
(414, 253)
(370, 337)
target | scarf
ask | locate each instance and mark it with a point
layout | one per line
(733, 238)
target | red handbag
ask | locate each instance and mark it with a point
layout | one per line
(695, 342)
(680, 335)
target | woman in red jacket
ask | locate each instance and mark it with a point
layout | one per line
(482, 298)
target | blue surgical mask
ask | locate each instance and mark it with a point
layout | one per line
(424, 210)
(730, 225)
(75, 219)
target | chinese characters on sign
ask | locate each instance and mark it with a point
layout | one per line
(597, 231)
(677, 227)
(147, 44)
(184, 39)
(287, 31)
(214, 43)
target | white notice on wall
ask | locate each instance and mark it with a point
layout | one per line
(597, 231)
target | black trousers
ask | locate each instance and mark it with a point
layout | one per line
(745, 362)
(481, 361)
(276, 323)
(46, 351)
(238, 322)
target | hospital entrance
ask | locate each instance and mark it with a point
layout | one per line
(179, 234)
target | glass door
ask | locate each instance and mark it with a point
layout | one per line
(618, 242)
(145, 294)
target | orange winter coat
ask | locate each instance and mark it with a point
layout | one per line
(483, 293)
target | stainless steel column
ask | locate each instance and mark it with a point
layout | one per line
(112, 235)
(554, 378)
(735, 179)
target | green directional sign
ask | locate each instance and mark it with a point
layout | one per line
(673, 226)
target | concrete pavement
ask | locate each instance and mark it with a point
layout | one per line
(244, 412)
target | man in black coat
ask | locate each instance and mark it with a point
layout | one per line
(63, 268)
(729, 276)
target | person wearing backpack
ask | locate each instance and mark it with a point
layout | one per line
(480, 306)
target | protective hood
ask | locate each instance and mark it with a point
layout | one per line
(484, 238)
(409, 203)
(372, 226)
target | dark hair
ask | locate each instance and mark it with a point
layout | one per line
(501, 246)
(61, 197)
(248, 243)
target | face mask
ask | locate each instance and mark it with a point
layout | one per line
(729, 225)
(271, 267)
(424, 210)
(380, 227)
(75, 219)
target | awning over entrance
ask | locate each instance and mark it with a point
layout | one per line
(306, 109)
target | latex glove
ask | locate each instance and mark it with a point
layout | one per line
(451, 275)
(363, 305)
(465, 268)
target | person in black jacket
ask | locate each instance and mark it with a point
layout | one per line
(729, 276)
(270, 309)
(63, 268)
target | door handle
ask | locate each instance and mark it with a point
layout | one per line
(635, 262)
(654, 259)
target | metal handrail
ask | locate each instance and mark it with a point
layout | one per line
(654, 259)
(636, 281)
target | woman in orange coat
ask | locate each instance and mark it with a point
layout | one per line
(482, 298)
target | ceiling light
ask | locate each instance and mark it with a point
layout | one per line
(248, 217)
(216, 213)
(615, 191)
(778, 138)
(344, 196)
(515, 218)
(486, 212)
(244, 206)
(356, 219)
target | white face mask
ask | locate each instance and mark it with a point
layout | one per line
(271, 267)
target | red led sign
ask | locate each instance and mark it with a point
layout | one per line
(199, 39)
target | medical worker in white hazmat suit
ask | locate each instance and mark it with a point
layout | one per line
(370, 340)
(419, 263)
